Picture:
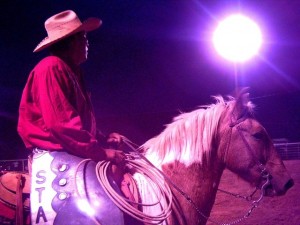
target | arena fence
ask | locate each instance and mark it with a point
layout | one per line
(287, 151)
(14, 165)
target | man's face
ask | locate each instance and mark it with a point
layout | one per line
(80, 47)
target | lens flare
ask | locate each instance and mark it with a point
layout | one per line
(85, 207)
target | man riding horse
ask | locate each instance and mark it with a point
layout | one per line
(70, 186)
(56, 112)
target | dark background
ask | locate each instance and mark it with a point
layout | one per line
(152, 59)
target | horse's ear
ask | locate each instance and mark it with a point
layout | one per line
(242, 100)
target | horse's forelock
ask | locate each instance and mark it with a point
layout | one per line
(189, 137)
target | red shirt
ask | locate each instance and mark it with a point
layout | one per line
(55, 111)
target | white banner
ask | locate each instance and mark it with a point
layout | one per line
(42, 193)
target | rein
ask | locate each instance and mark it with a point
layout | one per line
(263, 171)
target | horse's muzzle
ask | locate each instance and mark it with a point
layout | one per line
(273, 190)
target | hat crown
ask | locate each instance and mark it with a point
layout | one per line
(62, 23)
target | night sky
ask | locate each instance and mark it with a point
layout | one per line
(152, 59)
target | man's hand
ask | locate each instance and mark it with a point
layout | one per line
(115, 156)
(115, 140)
(118, 162)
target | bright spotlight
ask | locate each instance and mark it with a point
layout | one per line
(237, 38)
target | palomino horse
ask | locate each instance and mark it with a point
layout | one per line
(189, 155)
(196, 147)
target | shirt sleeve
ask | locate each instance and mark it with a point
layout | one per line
(57, 100)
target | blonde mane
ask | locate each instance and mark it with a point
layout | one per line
(188, 138)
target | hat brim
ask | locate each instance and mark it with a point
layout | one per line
(88, 25)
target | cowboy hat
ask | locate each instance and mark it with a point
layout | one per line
(63, 25)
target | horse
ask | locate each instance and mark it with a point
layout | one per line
(197, 146)
(183, 166)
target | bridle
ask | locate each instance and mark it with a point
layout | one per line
(236, 124)
(265, 175)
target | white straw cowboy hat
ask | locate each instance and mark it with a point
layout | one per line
(63, 25)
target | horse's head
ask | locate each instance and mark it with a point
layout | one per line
(247, 149)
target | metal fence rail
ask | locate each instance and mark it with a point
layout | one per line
(14, 165)
(288, 151)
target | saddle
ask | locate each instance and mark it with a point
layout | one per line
(66, 191)
(14, 195)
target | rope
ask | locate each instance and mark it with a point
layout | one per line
(163, 192)
(160, 188)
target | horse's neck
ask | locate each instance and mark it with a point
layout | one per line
(200, 183)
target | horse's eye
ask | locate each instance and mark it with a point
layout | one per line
(258, 135)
